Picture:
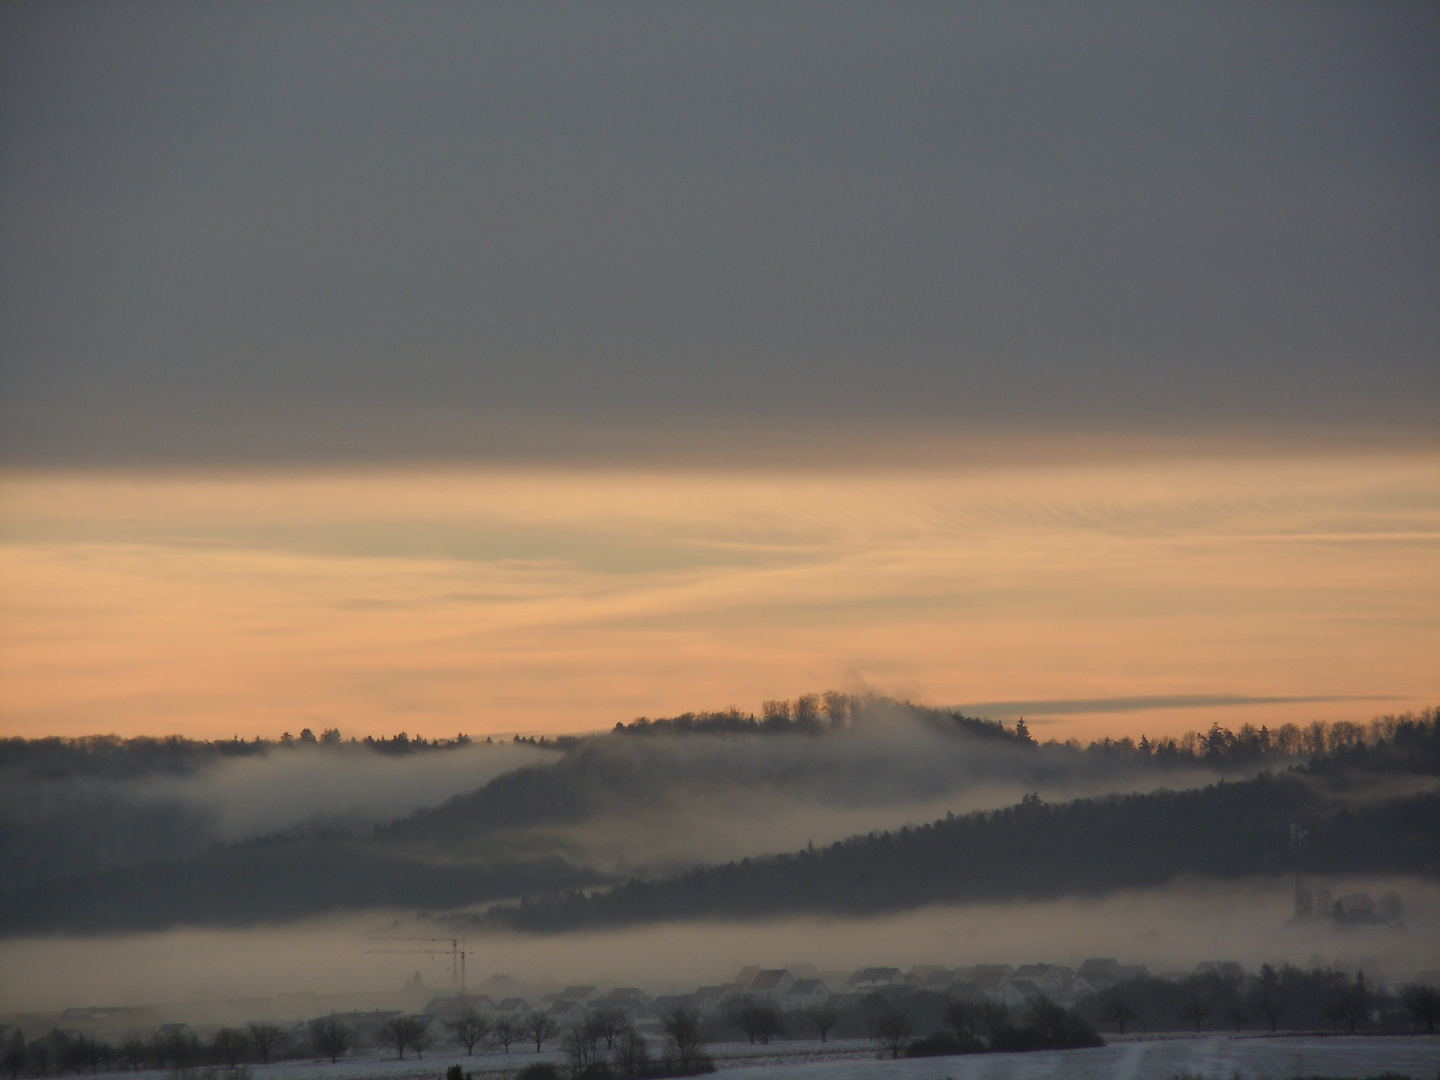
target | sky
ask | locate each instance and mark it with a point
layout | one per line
(503, 368)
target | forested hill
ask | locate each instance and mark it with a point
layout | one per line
(1031, 851)
(98, 855)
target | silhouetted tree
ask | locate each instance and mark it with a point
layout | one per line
(1424, 1004)
(1237, 1014)
(132, 1053)
(331, 1037)
(891, 1031)
(1196, 1001)
(582, 1046)
(607, 1024)
(419, 1034)
(632, 1055)
(229, 1046)
(1116, 1008)
(468, 1029)
(1268, 997)
(539, 1027)
(992, 1019)
(823, 1019)
(684, 1041)
(757, 1019)
(505, 1031)
(15, 1053)
(960, 1018)
(1355, 1003)
(267, 1039)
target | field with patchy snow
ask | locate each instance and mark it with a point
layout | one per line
(1211, 1056)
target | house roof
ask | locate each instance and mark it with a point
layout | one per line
(769, 980)
(808, 986)
(1031, 971)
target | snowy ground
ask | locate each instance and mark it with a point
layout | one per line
(1213, 1057)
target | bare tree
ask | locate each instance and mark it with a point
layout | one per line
(1116, 1008)
(1355, 1003)
(608, 1024)
(757, 1019)
(960, 1018)
(540, 1026)
(132, 1053)
(1196, 1001)
(632, 1054)
(1237, 1014)
(230, 1045)
(15, 1053)
(267, 1039)
(468, 1028)
(682, 1033)
(892, 1031)
(505, 1031)
(395, 1033)
(823, 1019)
(419, 1034)
(331, 1037)
(1424, 1005)
(582, 1045)
(992, 1019)
(1268, 997)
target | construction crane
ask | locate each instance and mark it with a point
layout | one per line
(425, 946)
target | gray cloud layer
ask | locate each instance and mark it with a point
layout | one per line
(261, 232)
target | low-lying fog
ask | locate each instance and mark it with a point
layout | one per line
(637, 804)
(345, 785)
(1170, 929)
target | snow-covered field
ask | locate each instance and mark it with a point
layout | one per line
(1213, 1057)
(1217, 1057)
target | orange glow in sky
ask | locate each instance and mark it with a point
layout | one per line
(560, 601)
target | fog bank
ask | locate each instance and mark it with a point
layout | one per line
(1169, 929)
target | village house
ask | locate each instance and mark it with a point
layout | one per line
(773, 985)
(807, 993)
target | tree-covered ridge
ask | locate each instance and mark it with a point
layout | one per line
(113, 758)
(117, 863)
(1036, 850)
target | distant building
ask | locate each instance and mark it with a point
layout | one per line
(451, 1006)
(706, 1000)
(807, 993)
(772, 985)
(1100, 971)
(742, 981)
(930, 976)
(962, 990)
(1016, 992)
(567, 1012)
(989, 976)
